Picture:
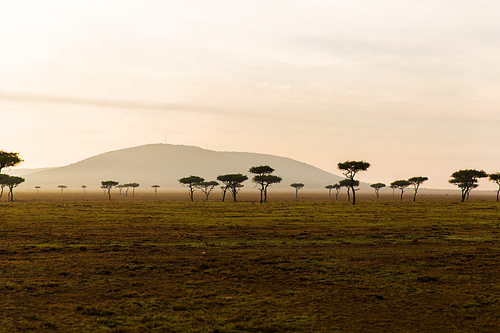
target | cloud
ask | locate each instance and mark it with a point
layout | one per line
(21, 97)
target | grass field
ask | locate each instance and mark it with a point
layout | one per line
(152, 265)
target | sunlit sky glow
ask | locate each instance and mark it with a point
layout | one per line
(411, 86)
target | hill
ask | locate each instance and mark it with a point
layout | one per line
(164, 164)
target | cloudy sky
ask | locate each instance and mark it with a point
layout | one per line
(411, 86)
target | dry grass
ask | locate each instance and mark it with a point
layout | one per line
(150, 265)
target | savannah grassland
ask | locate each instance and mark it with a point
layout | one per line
(150, 265)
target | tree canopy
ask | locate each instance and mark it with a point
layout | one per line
(108, 185)
(232, 182)
(297, 187)
(9, 159)
(350, 169)
(207, 187)
(466, 180)
(11, 182)
(401, 184)
(191, 182)
(377, 187)
(416, 182)
(263, 179)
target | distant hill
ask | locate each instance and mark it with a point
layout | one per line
(164, 164)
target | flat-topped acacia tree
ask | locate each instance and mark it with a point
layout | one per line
(84, 188)
(133, 186)
(11, 182)
(495, 177)
(155, 188)
(192, 183)
(264, 179)
(347, 184)
(350, 169)
(232, 182)
(377, 187)
(416, 182)
(401, 184)
(330, 188)
(108, 185)
(62, 187)
(466, 180)
(38, 189)
(297, 186)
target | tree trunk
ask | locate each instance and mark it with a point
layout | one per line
(353, 195)
(109, 194)
(402, 191)
(497, 193)
(296, 194)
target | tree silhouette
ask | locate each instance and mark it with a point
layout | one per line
(416, 181)
(329, 188)
(466, 180)
(232, 182)
(9, 159)
(133, 185)
(84, 188)
(377, 187)
(297, 187)
(337, 188)
(108, 185)
(191, 183)
(401, 184)
(495, 177)
(207, 187)
(350, 169)
(38, 189)
(62, 187)
(393, 188)
(264, 179)
(2, 184)
(11, 182)
(120, 188)
(155, 187)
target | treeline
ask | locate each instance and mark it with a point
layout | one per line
(263, 177)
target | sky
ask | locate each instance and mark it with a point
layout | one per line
(410, 86)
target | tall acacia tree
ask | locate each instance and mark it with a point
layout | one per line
(9, 159)
(377, 187)
(401, 184)
(416, 182)
(38, 189)
(192, 183)
(108, 185)
(350, 169)
(264, 179)
(297, 186)
(495, 177)
(466, 180)
(232, 182)
(85, 188)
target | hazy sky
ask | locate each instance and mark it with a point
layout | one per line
(411, 86)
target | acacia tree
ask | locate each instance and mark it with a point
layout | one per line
(337, 188)
(466, 180)
(155, 187)
(84, 188)
(11, 182)
(9, 159)
(495, 177)
(393, 188)
(329, 188)
(350, 169)
(37, 189)
(108, 185)
(62, 187)
(401, 184)
(120, 188)
(264, 179)
(297, 186)
(232, 182)
(377, 187)
(134, 185)
(191, 182)
(2, 184)
(416, 181)
(207, 187)
(347, 184)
